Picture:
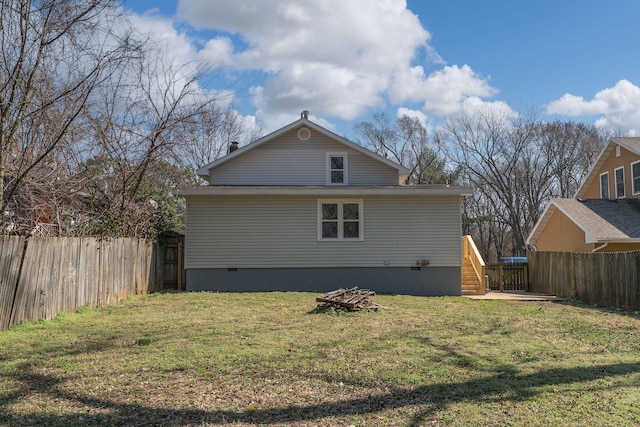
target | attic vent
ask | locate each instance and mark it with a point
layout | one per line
(304, 134)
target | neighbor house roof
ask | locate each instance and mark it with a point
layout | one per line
(630, 143)
(204, 171)
(602, 220)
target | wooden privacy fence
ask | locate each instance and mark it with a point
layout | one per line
(41, 276)
(507, 277)
(607, 279)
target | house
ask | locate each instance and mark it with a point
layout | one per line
(604, 215)
(307, 210)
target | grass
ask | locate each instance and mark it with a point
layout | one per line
(207, 359)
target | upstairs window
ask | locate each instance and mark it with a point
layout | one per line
(337, 168)
(635, 175)
(620, 183)
(340, 219)
(604, 185)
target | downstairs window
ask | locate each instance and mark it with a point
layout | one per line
(340, 219)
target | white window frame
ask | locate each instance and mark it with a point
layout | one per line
(608, 186)
(624, 189)
(345, 169)
(633, 179)
(340, 203)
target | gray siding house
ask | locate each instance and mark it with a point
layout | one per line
(307, 210)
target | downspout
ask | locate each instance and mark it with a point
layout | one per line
(604, 245)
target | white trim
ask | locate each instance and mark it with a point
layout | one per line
(634, 190)
(548, 212)
(340, 220)
(307, 133)
(204, 171)
(345, 167)
(615, 178)
(607, 151)
(327, 191)
(608, 185)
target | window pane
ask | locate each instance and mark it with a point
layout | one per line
(337, 176)
(329, 211)
(330, 230)
(350, 211)
(604, 186)
(337, 163)
(636, 178)
(351, 230)
(619, 183)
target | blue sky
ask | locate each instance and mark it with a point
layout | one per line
(345, 59)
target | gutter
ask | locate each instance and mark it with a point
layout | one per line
(325, 191)
(604, 245)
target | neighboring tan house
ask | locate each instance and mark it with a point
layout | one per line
(305, 209)
(604, 216)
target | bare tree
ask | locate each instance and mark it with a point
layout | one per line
(133, 118)
(515, 164)
(209, 133)
(490, 144)
(570, 150)
(406, 142)
(54, 54)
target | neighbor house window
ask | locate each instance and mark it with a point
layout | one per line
(635, 174)
(337, 168)
(604, 185)
(620, 183)
(340, 219)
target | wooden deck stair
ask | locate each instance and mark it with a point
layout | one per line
(471, 284)
(472, 276)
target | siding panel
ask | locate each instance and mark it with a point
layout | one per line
(268, 232)
(290, 161)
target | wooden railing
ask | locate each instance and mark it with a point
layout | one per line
(470, 252)
(508, 277)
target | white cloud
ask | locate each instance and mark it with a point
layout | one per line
(444, 91)
(402, 111)
(497, 108)
(163, 37)
(571, 105)
(336, 58)
(217, 52)
(619, 107)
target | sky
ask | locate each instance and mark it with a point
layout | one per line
(344, 60)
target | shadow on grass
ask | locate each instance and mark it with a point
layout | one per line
(504, 386)
(580, 304)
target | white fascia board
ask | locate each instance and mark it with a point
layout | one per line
(401, 169)
(622, 142)
(589, 237)
(604, 154)
(323, 191)
(595, 168)
(532, 239)
(204, 171)
(618, 240)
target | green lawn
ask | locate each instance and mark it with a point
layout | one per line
(201, 359)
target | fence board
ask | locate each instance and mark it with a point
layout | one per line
(607, 279)
(64, 273)
(11, 250)
(507, 277)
